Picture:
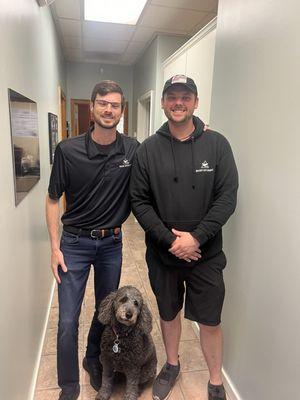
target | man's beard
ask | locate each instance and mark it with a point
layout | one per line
(186, 118)
(106, 126)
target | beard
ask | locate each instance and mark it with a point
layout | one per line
(178, 120)
(104, 123)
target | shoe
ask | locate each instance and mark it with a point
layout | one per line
(94, 369)
(69, 396)
(216, 392)
(165, 380)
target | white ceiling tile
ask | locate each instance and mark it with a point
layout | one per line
(136, 47)
(67, 9)
(129, 57)
(143, 34)
(72, 42)
(70, 27)
(103, 58)
(165, 19)
(200, 5)
(104, 30)
(110, 46)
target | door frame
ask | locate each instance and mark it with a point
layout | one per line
(142, 115)
(62, 110)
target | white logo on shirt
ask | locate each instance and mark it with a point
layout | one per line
(125, 164)
(204, 167)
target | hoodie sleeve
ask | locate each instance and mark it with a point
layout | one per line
(224, 197)
(142, 202)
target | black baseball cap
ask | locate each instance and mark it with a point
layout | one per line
(182, 80)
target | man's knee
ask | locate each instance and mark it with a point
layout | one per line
(68, 328)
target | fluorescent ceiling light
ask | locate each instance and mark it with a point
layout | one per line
(115, 11)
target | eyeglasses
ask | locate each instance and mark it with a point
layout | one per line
(104, 104)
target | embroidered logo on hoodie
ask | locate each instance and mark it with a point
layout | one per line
(205, 167)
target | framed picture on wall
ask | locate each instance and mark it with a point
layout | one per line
(53, 134)
(25, 143)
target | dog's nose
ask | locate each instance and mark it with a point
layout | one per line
(128, 314)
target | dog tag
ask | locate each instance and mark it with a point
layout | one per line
(116, 348)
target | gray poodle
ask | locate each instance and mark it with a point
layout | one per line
(126, 344)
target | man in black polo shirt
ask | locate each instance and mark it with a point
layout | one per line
(93, 171)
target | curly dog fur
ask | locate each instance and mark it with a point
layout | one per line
(126, 344)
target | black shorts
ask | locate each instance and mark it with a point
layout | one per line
(202, 285)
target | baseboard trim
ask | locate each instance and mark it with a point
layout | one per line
(229, 386)
(37, 365)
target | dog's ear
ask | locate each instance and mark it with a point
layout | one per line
(106, 309)
(144, 322)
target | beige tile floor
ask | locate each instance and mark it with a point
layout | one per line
(193, 379)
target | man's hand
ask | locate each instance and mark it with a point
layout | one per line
(185, 246)
(57, 260)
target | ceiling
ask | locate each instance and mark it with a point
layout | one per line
(87, 41)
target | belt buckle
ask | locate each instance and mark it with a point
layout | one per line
(94, 235)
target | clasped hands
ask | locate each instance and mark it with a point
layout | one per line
(185, 246)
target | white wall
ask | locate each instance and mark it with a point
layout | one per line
(31, 64)
(196, 60)
(255, 103)
(82, 77)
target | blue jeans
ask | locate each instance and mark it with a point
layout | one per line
(79, 253)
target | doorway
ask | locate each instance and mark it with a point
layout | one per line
(80, 116)
(145, 116)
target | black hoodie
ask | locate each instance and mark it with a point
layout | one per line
(188, 185)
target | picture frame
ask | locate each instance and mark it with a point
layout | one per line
(25, 143)
(53, 134)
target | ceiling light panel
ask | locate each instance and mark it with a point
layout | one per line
(117, 11)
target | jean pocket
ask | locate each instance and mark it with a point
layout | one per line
(69, 238)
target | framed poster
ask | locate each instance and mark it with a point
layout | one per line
(53, 134)
(25, 143)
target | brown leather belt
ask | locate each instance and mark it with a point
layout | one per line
(94, 233)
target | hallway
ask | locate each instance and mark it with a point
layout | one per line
(194, 376)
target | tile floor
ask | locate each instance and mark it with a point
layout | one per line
(193, 379)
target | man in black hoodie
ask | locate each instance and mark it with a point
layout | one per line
(183, 190)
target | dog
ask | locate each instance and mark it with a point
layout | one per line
(126, 343)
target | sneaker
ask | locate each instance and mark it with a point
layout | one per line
(69, 396)
(165, 381)
(94, 369)
(216, 392)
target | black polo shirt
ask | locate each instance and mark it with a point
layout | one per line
(95, 183)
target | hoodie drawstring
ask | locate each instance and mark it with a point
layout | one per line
(174, 160)
(193, 163)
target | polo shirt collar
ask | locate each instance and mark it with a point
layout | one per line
(93, 151)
